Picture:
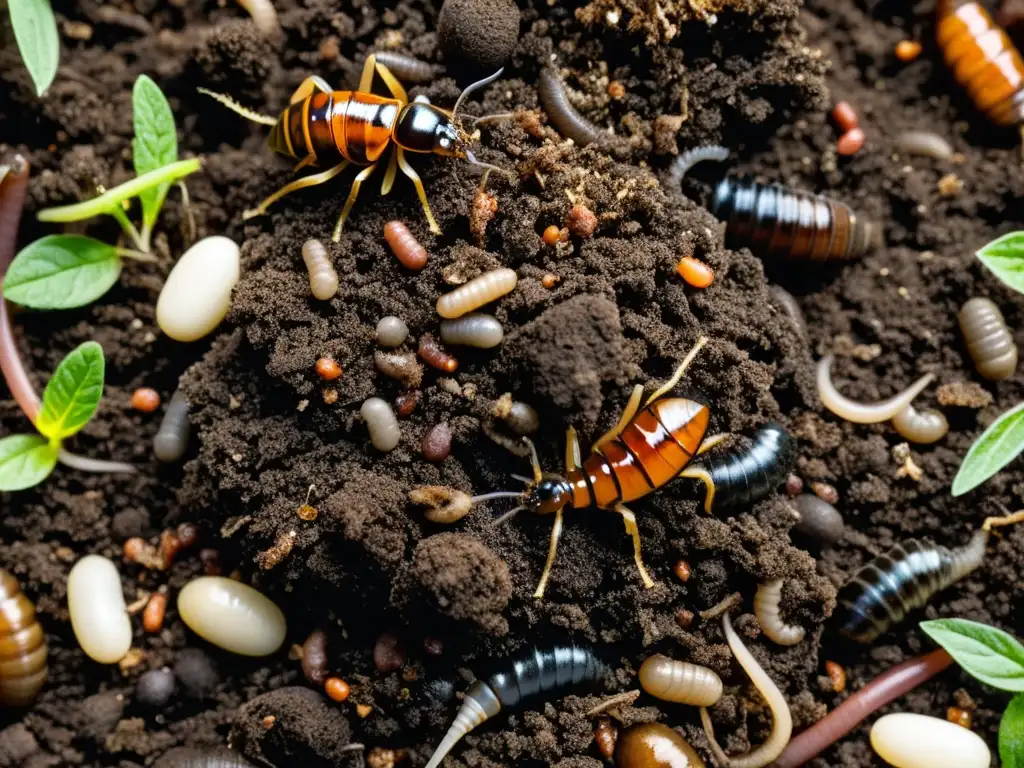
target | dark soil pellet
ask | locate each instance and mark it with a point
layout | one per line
(197, 673)
(155, 688)
(479, 34)
(388, 654)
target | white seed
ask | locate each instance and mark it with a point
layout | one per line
(232, 616)
(391, 331)
(907, 740)
(381, 423)
(473, 330)
(98, 615)
(197, 294)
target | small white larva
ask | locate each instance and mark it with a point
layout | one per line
(99, 618)
(232, 616)
(381, 423)
(473, 330)
(323, 279)
(680, 681)
(766, 609)
(477, 292)
(920, 426)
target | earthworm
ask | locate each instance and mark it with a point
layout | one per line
(406, 68)
(477, 292)
(520, 417)
(432, 353)
(186, 757)
(690, 158)
(785, 301)
(391, 331)
(405, 246)
(884, 689)
(920, 426)
(766, 609)
(680, 681)
(564, 116)
(172, 439)
(473, 330)
(381, 423)
(924, 143)
(556, 671)
(989, 342)
(864, 413)
(323, 279)
(401, 366)
(446, 505)
(23, 649)
(782, 721)
(654, 745)
(747, 475)
(819, 520)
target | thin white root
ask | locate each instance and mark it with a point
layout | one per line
(87, 464)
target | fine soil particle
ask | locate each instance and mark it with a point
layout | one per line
(756, 75)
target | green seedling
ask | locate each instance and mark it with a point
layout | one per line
(1003, 441)
(35, 32)
(66, 271)
(994, 658)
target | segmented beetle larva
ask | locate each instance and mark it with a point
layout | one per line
(172, 438)
(563, 114)
(401, 366)
(323, 279)
(989, 342)
(920, 426)
(654, 745)
(445, 505)
(924, 143)
(555, 671)
(405, 246)
(381, 424)
(477, 292)
(748, 475)
(983, 59)
(473, 330)
(766, 609)
(23, 650)
(406, 67)
(680, 681)
(433, 354)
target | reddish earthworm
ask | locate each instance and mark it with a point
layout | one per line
(564, 116)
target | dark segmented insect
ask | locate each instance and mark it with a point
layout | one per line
(556, 671)
(905, 578)
(23, 650)
(563, 115)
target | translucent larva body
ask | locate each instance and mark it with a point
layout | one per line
(473, 330)
(23, 650)
(910, 740)
(232, 615)
(989, 342)
(99, 617)
(555, 671)
(172, 439)
(323, 279)
(924, 143)
(653, 745)
(562, 114)
(381, 423)
(766, 609)
(406, 67)
(477, 292)
(772, 220)
(748, 475)
(920, 426)
(433, 354)
(680, 681)
(405, 246)
(905, 578)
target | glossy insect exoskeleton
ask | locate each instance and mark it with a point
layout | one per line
(333, 129)
(680, 681)
(23, 652)
(556, 671)
(654, 745)
(983, 60)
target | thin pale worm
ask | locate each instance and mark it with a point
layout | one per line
(564, 117)
(788, 304)
(680, 681)
(920, 426)
(924, 143)
(381, 423)
(477, 292)
(989, 341)
(323, 279)
(473, 330)
(690, 158)
(407, 68)
(864, 413)
(264, 16)
(766, 609)
(172, 439)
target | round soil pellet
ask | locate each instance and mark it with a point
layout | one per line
(819, 520)
(478, 35)
(197, 673)
(155, 688)
(437, 443)
(391, 331)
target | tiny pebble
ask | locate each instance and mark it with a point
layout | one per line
(145, 400)
(391, 331)
(581, 221)
(327, 369)
(388, 654)
(197, 673)
(549, 280)
(197, 294)
(437, 443)
(155, 688)
(684, 618)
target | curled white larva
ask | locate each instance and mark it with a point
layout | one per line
(232, 616)
(98, 614)
(864, 413)
(381, 423)
(920, 426)
(924, 143)
(907, 740)
(197, 294)
(323, 279)
(680, 681)
(391, 331)
(473, 330)
(477, 292)
(766, 609)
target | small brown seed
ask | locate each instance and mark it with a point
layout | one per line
(684, 618)
(338, 690)
(145, 400)
(153, 616)
(959, 716)
(437, 443)
(682, 570)
(314, 657)
(552, 235)
(406, 402)
(825, 492)
(388, 654)
(581, 221)
(837, 675)
(605, 736)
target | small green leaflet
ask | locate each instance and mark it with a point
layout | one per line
(155, 144)
(25, 460)
(1011, 735)
(985, 653)
(998, 446)
(35, 31)
(1005, 257)
(61, 272)
(73, 392)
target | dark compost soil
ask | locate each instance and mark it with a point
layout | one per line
(760, 80)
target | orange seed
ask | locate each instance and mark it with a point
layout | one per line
(845, 117)
(908, 50)
(337, 689)
(850, 142)
(695, 272)
(327, 369)
(837, 675)
(551, 235)
(145, 400)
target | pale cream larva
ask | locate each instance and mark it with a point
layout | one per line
(680, 681)
(197, 294)
(477, 292)
(908, 740)
(323, 278)
(766, 609)
(232, 616)
(98, 614)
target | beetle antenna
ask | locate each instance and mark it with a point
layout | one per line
(474, 87)
(508, 516)
(521, 478)
(471, 158)
(495, 495)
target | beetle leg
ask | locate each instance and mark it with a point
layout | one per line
(392, 83)
(356, 184)
(534, 461)
(238, 109)
(366, 79)
(307, 86)
(307, 160)
(627, 415)
(710, 442)
(630, 520)
(696, 472)
(669, 385)
(307, 181)
(572, 450)
(409, 171)
(389, 177)
(556, 534)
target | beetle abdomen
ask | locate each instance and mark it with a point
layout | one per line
(556, 670)
(747, 476)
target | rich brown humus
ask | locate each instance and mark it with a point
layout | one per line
(22, 646)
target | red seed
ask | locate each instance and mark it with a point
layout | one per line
(851, 142)
(845, 117)
(327, 369)
(406, 402)
(153, 616)
(410, 253)
(695, 272)
(437, 443)
(337, 689)
(581, 221)
(145, 400)
(432, 353)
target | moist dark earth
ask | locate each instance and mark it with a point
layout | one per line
(758, 76)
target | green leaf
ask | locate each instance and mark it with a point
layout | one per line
(73, 392)
(1005, 257)
(986, 653)
(1011, 735)
(155, 144)
(998, 446)
(25, 460)
(35, 31)
(61, 272)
